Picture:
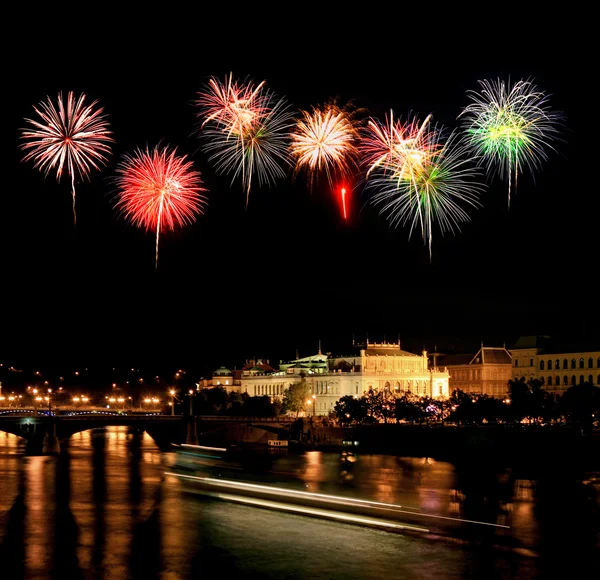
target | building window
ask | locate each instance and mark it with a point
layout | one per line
(557, 364)
(590, 363)
(591, 380)
(557, 382)
(573, 380)
(581, 363)
(549, 381)
(549, 365)
(573, 363)
(516, 362)
(566, 380)
(565, 364)
(530, 362)
(541, 365)
(581, 379)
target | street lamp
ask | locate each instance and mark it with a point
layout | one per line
(172, 393)
(191, 394)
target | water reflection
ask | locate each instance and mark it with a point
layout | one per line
(104, 508)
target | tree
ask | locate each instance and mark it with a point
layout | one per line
(259, 406)
(380, 404)
(212, 400)
(348, 410)
(581, 405)
(408, 408)
(295, 397)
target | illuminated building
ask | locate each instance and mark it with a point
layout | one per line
(485, 372)
(558, 366)
(376, 366)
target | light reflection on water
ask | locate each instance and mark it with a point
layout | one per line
(105, 509)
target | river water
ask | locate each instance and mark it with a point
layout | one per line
(108, 508)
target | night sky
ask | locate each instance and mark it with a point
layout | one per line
(286, 272)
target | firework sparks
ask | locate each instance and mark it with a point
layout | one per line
(420, 178)
(510, 127)
(400, 148)
(326, 141)
(159, 190)
(69, 136)
(246, 130)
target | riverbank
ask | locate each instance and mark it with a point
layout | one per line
(524, 443)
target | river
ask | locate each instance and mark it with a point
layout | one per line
(108, 508)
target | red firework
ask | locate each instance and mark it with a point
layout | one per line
(159, 190)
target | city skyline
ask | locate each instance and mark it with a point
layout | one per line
(274, 272)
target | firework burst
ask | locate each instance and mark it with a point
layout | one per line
(246, 130)
(510, 127)
(326, 141)
(67, 136)
(159, 190)
(418, 177)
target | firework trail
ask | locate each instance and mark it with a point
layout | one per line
(510, 127)
(159, 190)
(69, 136)
(419, 177)
(326, 141)
(246, 130)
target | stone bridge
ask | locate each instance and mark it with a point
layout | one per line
(43, 433)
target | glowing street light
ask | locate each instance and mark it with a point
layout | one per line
(172, 393)
(191, 394)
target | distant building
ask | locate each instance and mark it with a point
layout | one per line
(386, 366)
(377, 366)
(557, 366)
(485, 372)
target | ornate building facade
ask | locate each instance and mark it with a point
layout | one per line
(376, 366)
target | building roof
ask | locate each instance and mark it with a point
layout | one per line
(485, 355)
(447, 360)
(385, 348)
(552, 345)
(388, 352)
(222, 371)
(258, 365)
(537, 341)
(495, 356)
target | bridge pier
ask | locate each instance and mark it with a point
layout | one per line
(51, 445)
(192, 435)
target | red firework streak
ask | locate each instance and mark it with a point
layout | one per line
(343, 198)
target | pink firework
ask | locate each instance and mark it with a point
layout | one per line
(245, 127)
(72, 137)
(159, 190)
(397, 147)
(232, 105)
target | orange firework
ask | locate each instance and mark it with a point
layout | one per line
(325, 141)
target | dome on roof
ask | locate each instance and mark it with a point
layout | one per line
(222, 371)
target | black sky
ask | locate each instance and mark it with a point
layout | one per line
(276, 277)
